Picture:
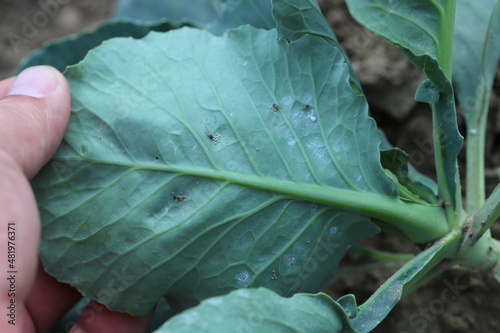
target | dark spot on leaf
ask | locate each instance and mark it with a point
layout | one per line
(214, 137)
(179, 196)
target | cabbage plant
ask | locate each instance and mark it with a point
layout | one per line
(225, 160)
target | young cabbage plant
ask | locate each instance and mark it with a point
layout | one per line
(235, 165)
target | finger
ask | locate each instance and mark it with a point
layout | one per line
(5, 86)
(33, 117)
(19, 235)
(49, 300)
(98, 319)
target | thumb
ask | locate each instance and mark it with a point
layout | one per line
(34, 113)
(33, 117)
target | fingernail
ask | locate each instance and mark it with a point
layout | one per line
(39, 81)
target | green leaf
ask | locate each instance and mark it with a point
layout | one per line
(475, 56)
(349, 305)
(215, 15)
(70, 50)
(297, 18)
(261, 310)
(409, 180)
(248, 217)
(378, 306)
(162, 313)
(447, 145)
(235, 13)
(190, 169)
(400, 163)
(415, 26)
(422, 29)
(199, 11)
(476, 52)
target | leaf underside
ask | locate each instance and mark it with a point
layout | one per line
(215, 15)
(261, 310)
(182, 169)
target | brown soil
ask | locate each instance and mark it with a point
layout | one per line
(27, 24)
(389, 81)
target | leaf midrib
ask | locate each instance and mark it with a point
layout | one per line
(427, 219)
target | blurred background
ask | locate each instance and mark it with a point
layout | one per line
(26, 24)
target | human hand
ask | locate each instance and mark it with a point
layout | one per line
(34, 113)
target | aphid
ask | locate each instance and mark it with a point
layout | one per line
(306, 107)
(179, 196)
(214, 137)
(275, 107)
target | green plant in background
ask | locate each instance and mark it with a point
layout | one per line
(235, 164)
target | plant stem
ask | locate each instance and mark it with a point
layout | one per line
(475, 190)
(480, 222)
(362, 269)
(445, 47)
(420, 223)
(496, 268)
(361, 251)
(448, 183)
(483, 255)
(476, 134)
(489, 212)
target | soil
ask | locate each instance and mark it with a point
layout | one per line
(456, 301)
(27, 24)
